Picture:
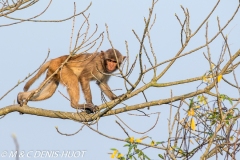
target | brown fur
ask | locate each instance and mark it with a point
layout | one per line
(81, 68)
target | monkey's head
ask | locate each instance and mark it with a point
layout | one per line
(111, 58)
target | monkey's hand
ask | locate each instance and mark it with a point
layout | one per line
(89, 108)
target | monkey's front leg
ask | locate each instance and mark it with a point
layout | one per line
(89, 107)
(74, 98)
(107, 91)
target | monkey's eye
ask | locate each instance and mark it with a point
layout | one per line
(110, 60)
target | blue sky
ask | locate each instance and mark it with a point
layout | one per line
(25, 46)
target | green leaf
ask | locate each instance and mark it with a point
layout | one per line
(113, 149)
(213, 122)
(147, 157)
(137, 150)
(227, 122)
(236, 109)
(222, 96)
(161, 156)
(191, 103)
(225, 97)
(135, 145)
(230, 101)
(157, 143)
(130, 149)
(229, 116)
(139, 154)
(126, 145)
(210, 134)
(130, 156)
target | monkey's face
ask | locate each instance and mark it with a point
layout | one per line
(111, 65)
(111, 58)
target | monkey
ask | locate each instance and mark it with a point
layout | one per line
(81, 68)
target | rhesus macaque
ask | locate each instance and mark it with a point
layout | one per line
(81, 68)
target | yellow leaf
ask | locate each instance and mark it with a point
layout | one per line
(114, 153)
(152, 143)
(112, 156)
(181, 152)
(206, 79)
(202, 99)
(231, 138)
(197, 107)
(120, 155)
(219, 78)
(212, 65)
(231, 111)
(138, 140)
(191, 112)
(131, 140)
(193, 125)
(172, 148)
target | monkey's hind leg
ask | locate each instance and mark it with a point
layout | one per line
(45, 92)
(70, 80)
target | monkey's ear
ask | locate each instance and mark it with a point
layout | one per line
(102, 54)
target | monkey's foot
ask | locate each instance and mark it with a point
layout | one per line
(89, 108)
(22, 103)
(21, 100)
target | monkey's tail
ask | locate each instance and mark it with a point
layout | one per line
(42, 69)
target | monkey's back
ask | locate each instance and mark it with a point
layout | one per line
(86, 65)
